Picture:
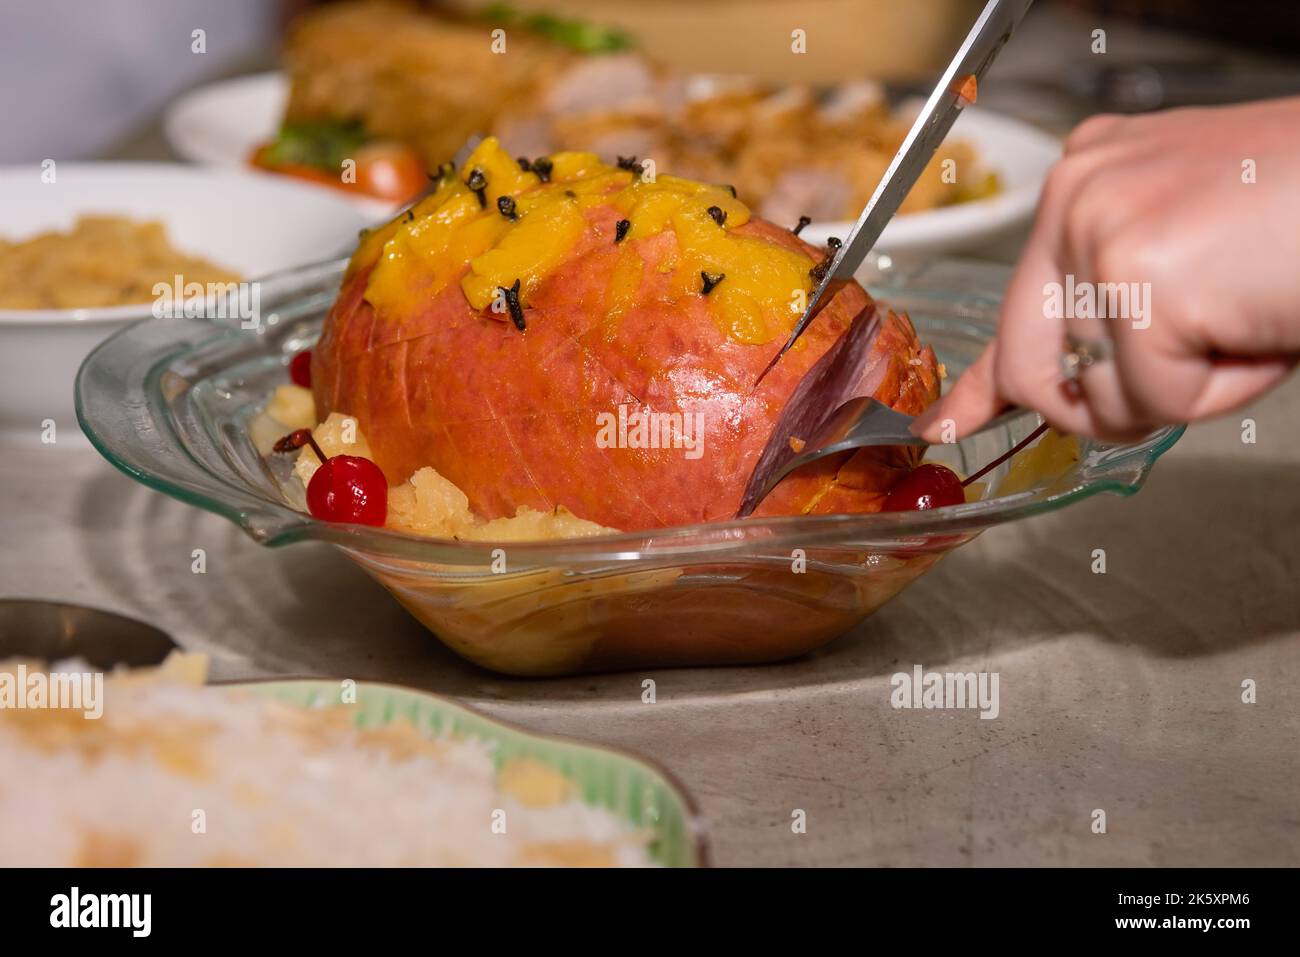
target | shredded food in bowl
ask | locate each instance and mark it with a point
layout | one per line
(149, 768)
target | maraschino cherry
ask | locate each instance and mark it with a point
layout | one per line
(300, 370)
(346, 488)
(931, 485)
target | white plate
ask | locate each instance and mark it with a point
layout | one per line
(1019, 153)
(222, 123)
(252, 223)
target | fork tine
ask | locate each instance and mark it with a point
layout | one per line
(830, 380)
(860, 422)
(857, 423)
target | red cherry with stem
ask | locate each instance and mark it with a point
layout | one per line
(927, 486)
(344, 488)
(931, 485)
(300, 369)
(349, 488)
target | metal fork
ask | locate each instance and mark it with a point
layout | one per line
(856, 424)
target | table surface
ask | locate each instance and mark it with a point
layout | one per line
(1119, 691)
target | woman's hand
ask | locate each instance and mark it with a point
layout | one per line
(1195, 215)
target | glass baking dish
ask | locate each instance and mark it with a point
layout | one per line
(170, 402)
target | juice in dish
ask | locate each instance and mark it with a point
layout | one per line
(518, 619)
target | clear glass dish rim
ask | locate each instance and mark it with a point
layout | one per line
(1118, 469)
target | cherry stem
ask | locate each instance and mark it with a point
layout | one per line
(311, 440)
(297, 439)
(1006, 455)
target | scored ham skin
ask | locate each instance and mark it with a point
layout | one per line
(511, 417)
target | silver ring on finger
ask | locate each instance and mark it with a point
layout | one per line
(1080, 353)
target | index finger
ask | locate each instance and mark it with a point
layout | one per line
(972, 401)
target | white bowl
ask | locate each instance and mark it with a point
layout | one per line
(249, 222)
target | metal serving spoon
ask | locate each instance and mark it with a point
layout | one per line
(51, 630)
(858, 423)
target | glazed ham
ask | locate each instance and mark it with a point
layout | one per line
(615, 332)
